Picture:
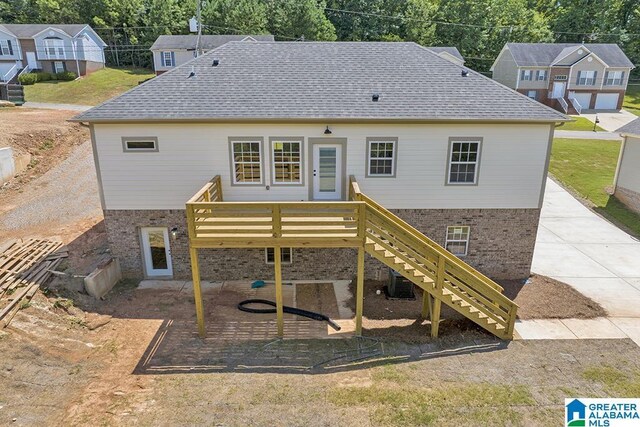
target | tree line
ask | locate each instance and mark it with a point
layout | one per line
(478, 28)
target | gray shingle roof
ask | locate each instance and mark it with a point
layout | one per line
(207, 42)
(451, 50)
(631, 127)
(544, 54)
(25, 31)
(321, 80)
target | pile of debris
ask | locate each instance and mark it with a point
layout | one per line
(24, 267)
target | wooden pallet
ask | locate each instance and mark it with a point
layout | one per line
(24, 267)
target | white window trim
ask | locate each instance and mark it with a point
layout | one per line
(465, 241)
(58, 48)
(166, 63)
(4, 47)
(55, 66)
(282, 250)
(371, 141)
(451, 162)
(260, 163)
(541, 73)
(272, 142)
(535, 94)
(127, 139)
(588, 81)
(527, 75)
(614, 81)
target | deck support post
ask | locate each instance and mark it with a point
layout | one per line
(197, 291)
(277, 253)
(435, 316)
(426, 304)
(360, 291)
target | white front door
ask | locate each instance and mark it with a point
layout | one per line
(31, 60)
(327, 171)
(558, 89)
(156, 251)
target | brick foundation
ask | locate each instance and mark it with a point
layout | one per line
(501, 246)
(630, 198)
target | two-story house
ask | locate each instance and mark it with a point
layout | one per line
(49, 47)
(170, 51)
(311, 152)
(569, 77)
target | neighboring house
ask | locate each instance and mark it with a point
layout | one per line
(49, 47)
(170, 51)
(627, 179)
(569, 77)
(455, 154)
(448, 52)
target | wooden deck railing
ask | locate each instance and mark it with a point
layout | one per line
(447, 271)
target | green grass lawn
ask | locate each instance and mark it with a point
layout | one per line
(93, 89)
(581, 123)
(632, 99)
(587, 166)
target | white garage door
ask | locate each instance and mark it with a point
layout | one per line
(607, 101)
(584, 99)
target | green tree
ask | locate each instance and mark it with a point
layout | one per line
(235, 16)
(419, 25)
(297, 18)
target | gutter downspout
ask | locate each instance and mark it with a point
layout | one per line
(75, 54)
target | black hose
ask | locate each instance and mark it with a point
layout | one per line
(291, 310)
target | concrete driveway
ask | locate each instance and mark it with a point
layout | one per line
(578, 247)
(611, 121)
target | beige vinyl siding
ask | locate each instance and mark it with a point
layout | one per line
(182, 56)
(585, 65)
(573, 57)
(629, 172)
(510, 174)
(506, 70)
(534, 84)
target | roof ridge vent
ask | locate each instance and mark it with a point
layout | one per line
(464, 73)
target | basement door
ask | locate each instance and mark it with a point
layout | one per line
(327, 171)
(156, 251)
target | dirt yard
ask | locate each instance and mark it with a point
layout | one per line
(135, 359)
(45, 134)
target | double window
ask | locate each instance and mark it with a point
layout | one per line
(286, 155)
(246, 156)
(381, 155)
(586, 78)
(457, 240)
(54, 47)
(613, 78)
(5, 47)
(463, 160)
(286, 255)
(168, 59)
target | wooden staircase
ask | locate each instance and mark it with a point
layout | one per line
(443, 277)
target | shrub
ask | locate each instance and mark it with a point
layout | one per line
(44, 76)
(66, 76)
(28, 79)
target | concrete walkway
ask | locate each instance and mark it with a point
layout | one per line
(48, 106)
(578, 247)
(586, 134)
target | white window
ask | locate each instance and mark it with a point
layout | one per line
(463, 163)
(532, 94)
(526, 75)
(5, 47)
(286, 255)
(58, 66)
(614, 78)
(247, 162)
(286, 156)
(541, 75)
(586, 78)
(381, 157)
(54, 48)
(139, 144)
(457, 241)
(168, 59)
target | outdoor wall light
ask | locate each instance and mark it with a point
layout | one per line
(174, 233)
(327, 131)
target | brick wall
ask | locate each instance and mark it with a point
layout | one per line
(501, 246)
(630, 198)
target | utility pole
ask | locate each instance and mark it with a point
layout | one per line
(198, 18)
